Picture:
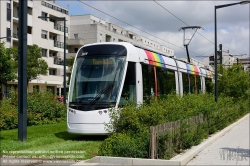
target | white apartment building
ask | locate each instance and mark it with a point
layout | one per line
(86, 29)
(227, 59)
(46, 33)
(244, 60)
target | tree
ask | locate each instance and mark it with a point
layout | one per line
(7, 65)
(234, 82)
(35, 64)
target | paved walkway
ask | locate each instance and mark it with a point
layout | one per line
(231, 149)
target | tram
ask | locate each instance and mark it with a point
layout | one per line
(104, 75)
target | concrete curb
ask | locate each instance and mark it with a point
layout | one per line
(181, 159)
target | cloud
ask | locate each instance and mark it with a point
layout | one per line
(232, 22)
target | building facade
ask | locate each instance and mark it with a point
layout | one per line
(86, 29)
(46, 33)
(244, 60)
(227, 59)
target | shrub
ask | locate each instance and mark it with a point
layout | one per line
(42, 108)
(8, 114)
(121, 144)
(132, 124)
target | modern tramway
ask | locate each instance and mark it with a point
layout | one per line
(105, 74)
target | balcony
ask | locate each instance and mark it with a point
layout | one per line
(59, 44)
(58, 61)
(75, 42)
(15, 35)
(60, 28)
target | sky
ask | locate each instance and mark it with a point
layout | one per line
(164, 19)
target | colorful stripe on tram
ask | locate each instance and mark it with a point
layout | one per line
(155, 59)
(208, 74)
(191, 69)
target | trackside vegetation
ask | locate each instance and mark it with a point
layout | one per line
(47, 136)
(42, 108)
(49, 141)
(131, 125)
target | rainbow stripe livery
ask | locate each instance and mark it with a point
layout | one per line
(192, 69)
(155, 59)
(209, 74)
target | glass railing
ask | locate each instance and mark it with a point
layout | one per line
(15, 35)
(59, 62)
(60, 44)
(15, 14)
(60, 28)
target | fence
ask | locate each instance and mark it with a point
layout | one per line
(174, 129)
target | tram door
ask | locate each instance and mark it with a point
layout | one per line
(129, 87)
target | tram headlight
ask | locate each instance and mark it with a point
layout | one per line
(99, 112)
(72, 111)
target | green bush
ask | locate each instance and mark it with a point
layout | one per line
(42, 108)
(234, 82)
(132, 124)
(121, 144)
(8, 114)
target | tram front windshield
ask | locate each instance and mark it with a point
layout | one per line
(96, 81)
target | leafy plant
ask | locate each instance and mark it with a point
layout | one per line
(42, 108)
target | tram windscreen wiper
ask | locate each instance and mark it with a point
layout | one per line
(98, 96)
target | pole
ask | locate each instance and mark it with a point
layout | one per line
(187, 53)
(215, 58)
(22, 71)
(64, 63)
(220, 53)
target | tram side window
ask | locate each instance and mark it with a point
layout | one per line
(186, 85)
(129, 87)
(165, 81)
(198, 84)
(195, 84)
(191, 83)
(148, 81)
(208, 85)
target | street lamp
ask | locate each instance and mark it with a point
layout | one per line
(64, 53)
(215, 43)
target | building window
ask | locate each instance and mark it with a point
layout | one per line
(36, 88)
(52, 71)
(44, 34)
(51, 89)
(44, 15)
(54, 7)
(8, 5)
(44, 52)
(8, 12)
(8, 39)
(76, 49)
(52, 54)
(76, 36)
(29, 30)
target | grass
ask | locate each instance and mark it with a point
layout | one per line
(50, 141)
